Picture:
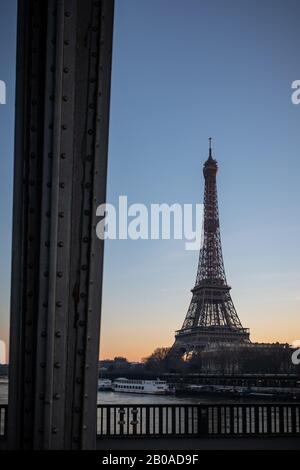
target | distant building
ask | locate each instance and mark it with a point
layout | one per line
(105, 364)
(246, 358)
(119, 364)
(3, 370)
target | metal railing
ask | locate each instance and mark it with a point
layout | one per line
(3, 421)
(192, 420)
(199, 420)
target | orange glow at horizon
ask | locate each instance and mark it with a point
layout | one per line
(135, 349)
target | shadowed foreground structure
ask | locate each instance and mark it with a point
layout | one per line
(61, 139)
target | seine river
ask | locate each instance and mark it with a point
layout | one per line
(113, 398)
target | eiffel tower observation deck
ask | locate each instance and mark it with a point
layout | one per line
(211, 320)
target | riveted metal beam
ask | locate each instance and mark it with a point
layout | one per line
(62, 120)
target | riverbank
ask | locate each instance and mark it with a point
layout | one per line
(115, 398)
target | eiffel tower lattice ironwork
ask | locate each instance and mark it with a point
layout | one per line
(211, 319)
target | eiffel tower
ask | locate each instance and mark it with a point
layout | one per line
(211, 320)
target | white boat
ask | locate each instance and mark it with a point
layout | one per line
(104, 385)
(153, 387)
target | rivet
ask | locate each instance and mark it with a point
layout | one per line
(56, 396)
(60, 244)
(60, 274)
(63, 156)
(58, 334)
(57, 365)
(65, 98)
(54, 430)
(64, 127)
(62, 185)
(61, 215)
(58, 304)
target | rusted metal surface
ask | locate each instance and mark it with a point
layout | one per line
(62, 120)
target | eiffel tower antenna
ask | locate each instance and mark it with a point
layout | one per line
(210, 152)
(211, 318)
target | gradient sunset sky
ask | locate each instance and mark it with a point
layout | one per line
(184, 71)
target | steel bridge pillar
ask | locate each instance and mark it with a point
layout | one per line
(62, 118)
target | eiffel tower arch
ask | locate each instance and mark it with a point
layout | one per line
(211, 320)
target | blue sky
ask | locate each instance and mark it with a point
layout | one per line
(184, 71)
